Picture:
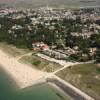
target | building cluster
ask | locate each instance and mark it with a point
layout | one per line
(48, 17)
(38, 46)
(7, 11)
(46, 14)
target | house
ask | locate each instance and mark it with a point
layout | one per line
(45, 47)
(38, 46)
(35, 46)
(93, 50)
(55, 54)
(17, 27)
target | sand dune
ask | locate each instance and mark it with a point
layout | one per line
(23, 74)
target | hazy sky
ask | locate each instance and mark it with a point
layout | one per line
(43, 0)
(51, 2)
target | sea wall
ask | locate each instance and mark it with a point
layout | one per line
(75, 93)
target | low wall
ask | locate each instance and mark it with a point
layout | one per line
(68, 90)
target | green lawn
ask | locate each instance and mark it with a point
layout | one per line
(40, 63)
(84, 76)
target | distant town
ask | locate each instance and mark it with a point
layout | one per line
(67, 33)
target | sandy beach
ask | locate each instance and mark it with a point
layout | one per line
(23, 74)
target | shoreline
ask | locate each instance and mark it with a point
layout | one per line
(22, 74)
(9, 77)
(57, 88)
(69, 89)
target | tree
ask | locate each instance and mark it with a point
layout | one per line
(98, 56)
(70, 41)
(95, 40)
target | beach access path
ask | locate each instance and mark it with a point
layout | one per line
(63, 63)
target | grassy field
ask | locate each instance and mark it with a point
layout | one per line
(12, 50)
(85, 77)
(40, 63)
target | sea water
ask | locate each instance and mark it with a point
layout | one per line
(39, 92)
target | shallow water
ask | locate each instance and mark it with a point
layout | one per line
(41, 92)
